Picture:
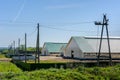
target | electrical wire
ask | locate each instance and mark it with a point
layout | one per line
(65, 29)
(30, 34)
(18, 22)
(58, 24)
(71, 24)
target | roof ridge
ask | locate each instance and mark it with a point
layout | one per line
(97, 37)
(56, 42)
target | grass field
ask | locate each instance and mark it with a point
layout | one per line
(53, 59)
(8, 67)
(2, 56)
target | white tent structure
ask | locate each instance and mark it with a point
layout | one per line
(87, 47)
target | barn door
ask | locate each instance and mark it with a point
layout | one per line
(72, 54)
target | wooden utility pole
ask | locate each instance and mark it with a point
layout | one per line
(18, 44)
(37, 45)
(14, 47)
(9, 48)
(104, 24)
(38, 49)
(25, 47)
(19, 48)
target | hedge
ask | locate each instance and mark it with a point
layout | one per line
(36, 66)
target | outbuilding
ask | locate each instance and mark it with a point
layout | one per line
(88, 47)
(52, 48)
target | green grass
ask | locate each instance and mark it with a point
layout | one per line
(47, 61)
(8, 67)
(2, 56)
(80, 73)
(52, 61)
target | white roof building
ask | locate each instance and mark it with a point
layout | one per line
(82, 47)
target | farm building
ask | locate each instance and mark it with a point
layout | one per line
(88, 47)
(50, 48)
(62, 49)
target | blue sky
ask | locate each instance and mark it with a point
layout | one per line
(59, 19)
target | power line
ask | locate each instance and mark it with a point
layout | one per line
(70, 23)
(69, 30)
(30, 22)
(65, 29)
(30, 34)
(18, 22)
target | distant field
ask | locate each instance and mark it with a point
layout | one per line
(2, 56)
(4, 59)
(53, 59)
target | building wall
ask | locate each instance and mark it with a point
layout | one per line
(114, 45)
(62, 51)
(45, 51)
(72, 48)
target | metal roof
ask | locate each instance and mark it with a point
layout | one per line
(91, 44)
(53, 47)
(83, 44)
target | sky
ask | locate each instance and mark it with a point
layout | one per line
(58, 19)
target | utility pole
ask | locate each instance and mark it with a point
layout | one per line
(104, 24)
(38, 48)
(19, 48)
(9, 48)
(18, 44)
(25, 47)
(37, 44)
(14, 47)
